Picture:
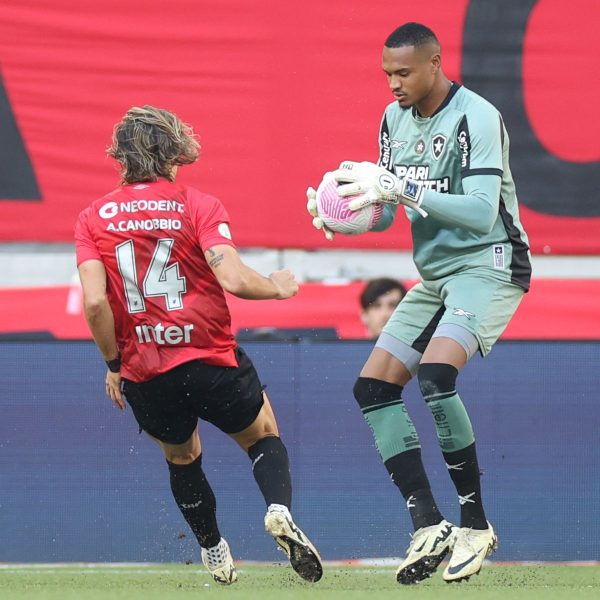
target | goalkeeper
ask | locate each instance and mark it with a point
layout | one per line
(444, 157)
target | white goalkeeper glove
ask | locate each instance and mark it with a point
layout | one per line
(311, 207)
(374, 184)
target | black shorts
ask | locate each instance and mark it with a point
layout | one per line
(168, 406)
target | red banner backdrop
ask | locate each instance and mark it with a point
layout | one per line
(279, 92)
(544, 314)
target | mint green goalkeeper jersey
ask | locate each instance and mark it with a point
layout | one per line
(460, 153)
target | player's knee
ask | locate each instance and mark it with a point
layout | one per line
(270, 445)
(182, 458)
(370, 392)
(383, 409)
(436, 378)
(182, 454)
(175, 460)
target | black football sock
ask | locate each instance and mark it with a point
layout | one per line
(196, 501)
(464, 471)
(271, 469)
(407, 472)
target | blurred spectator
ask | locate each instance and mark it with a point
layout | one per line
(378, 301)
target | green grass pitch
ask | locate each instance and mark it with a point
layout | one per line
(279, 582)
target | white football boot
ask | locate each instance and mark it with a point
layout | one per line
(426, 551)
(471, 547)
(303, 556)
(219, 562)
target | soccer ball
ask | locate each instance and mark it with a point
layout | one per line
(335, 214)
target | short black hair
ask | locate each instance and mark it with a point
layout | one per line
(411, 34)
(377, 287)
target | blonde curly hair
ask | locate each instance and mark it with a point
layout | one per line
(148, 142)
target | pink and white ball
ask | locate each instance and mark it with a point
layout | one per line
(335, 214)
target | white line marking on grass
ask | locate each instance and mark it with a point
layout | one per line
(78, 565)
(91, 571)
(87, 568)
(380, 565)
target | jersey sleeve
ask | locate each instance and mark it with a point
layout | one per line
(85, 247)
(479, 138)
(385, 146)
(475, 210)
(210, 221)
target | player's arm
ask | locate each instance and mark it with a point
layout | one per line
(100, 319)
(385, 155)
(240, 280)
(475, 210)
(480, 140)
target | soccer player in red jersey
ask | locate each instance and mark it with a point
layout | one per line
(154, 258)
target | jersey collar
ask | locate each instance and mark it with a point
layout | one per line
(453, 89)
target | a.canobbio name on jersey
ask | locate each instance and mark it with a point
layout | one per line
(144, 225)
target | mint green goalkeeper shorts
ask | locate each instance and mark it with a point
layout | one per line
(476, 300)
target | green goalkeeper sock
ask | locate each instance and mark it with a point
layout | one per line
(398, 445)
(456, 439)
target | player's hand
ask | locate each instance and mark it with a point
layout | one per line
(113, 389)
(285, 282)
(374, 184)
(311, 207)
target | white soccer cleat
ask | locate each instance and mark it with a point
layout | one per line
(303, 556)
(426, 551)
(219, 562)
(471, 547)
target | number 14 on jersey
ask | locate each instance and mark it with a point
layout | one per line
(160, 279)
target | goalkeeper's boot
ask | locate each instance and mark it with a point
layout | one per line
(427, 549)
(219, 562)
(471, 547)
(303, 556)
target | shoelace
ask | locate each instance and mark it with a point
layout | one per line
(413, 542)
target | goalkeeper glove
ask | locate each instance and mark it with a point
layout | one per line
(373, 184)
(311, 207)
